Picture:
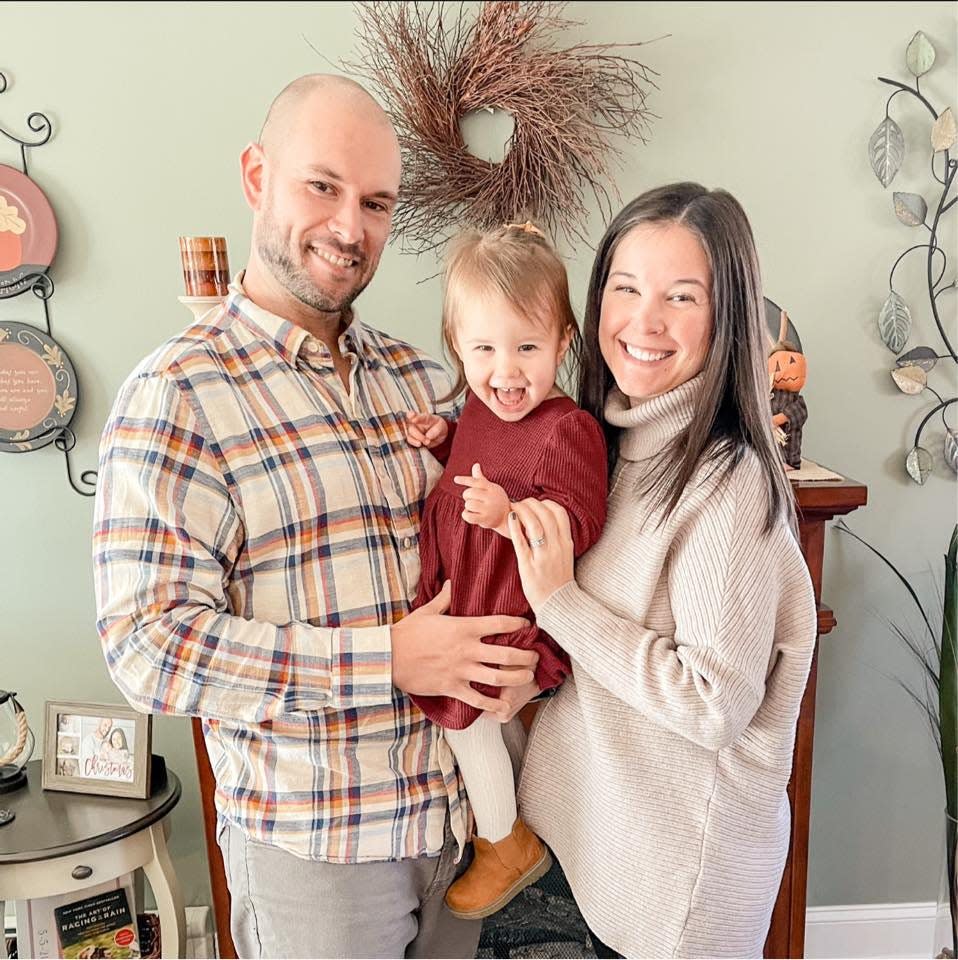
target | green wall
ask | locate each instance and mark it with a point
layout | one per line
(151, 107)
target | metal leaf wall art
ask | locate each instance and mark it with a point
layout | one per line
(886, 151)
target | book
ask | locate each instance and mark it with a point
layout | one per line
(99, 926)
(36, 926)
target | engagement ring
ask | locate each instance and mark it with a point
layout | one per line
(538, 542)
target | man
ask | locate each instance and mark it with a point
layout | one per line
(93, 741)
(256, 551)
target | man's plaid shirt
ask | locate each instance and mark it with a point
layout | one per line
(256, 532)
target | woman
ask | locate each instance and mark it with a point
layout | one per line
(657, 774)
(115, 749)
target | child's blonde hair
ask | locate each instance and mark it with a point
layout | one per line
(515, 261)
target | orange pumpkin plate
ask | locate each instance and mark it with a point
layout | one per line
(28, 232)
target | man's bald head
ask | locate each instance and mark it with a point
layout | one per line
(302, 92)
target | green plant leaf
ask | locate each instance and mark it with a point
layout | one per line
(920, 54)
(948, 679)
(919, 464)
(845, 528)
(886, 150)
(894, 322)
(939, 664)
(910, 208)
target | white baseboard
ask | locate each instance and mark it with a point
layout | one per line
(200, 942)
(893, 930)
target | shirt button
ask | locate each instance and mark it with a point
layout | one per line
(312, 346)
(406, 542)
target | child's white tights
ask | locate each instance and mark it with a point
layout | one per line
(487, 773)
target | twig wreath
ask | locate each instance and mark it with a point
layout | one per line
(431, 69)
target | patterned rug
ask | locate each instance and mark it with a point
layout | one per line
(543, 921)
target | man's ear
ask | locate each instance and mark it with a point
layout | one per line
(253, 170)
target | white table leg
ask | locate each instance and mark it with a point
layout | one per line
(3, 932)
(166, 892)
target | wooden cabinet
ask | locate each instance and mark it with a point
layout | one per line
(817, 503)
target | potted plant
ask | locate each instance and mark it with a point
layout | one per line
(935, 652)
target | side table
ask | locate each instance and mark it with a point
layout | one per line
(66, 842)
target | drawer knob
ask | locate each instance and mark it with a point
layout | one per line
(82, 872)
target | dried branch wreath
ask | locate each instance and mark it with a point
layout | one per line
(431, 69)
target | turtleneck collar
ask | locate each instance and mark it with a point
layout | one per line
(648, 425)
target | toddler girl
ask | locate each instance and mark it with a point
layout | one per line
(507, 324)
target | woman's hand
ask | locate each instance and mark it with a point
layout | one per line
(425, 430)
(542, 538)
(486, 503)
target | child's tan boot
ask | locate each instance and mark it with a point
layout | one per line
(498, 872)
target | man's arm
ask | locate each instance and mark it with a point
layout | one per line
(166, 534)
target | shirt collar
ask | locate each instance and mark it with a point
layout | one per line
(293, 342)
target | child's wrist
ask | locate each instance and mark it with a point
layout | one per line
(502, 528)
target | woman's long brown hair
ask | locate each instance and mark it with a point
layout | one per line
(732, 412)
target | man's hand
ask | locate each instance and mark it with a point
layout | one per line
(513, 699)
(486, 503)
(437, 655)
(425, 430)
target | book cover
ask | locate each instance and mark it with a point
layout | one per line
(36, 927)
(99, 926)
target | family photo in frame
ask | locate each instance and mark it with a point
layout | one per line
(96, 748)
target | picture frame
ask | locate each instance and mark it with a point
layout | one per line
(99, 748)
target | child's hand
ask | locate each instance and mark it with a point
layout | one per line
(425, 430)
(486, 502)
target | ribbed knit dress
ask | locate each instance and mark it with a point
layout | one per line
(555, 452)
(657, 773)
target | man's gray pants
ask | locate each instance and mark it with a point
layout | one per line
(283, 906)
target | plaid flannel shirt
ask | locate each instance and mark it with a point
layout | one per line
(256, 533)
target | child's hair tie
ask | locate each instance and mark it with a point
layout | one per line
(527, 227)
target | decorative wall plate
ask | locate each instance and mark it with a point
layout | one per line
(38, 388)
(28, 232)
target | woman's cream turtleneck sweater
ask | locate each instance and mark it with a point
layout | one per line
(657, 774)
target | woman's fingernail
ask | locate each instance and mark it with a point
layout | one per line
(512, 515)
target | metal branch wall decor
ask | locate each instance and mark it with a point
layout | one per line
(434, 63)
(38, 385)
(886, 151)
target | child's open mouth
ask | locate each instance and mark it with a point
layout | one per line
(512, 397)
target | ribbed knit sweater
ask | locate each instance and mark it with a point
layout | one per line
(657, 773)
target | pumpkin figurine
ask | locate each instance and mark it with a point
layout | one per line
(787, 372)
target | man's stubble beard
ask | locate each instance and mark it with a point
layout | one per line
(274, 253)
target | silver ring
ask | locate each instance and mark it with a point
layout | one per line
(538, 542)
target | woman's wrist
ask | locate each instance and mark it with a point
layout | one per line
(541, 605)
